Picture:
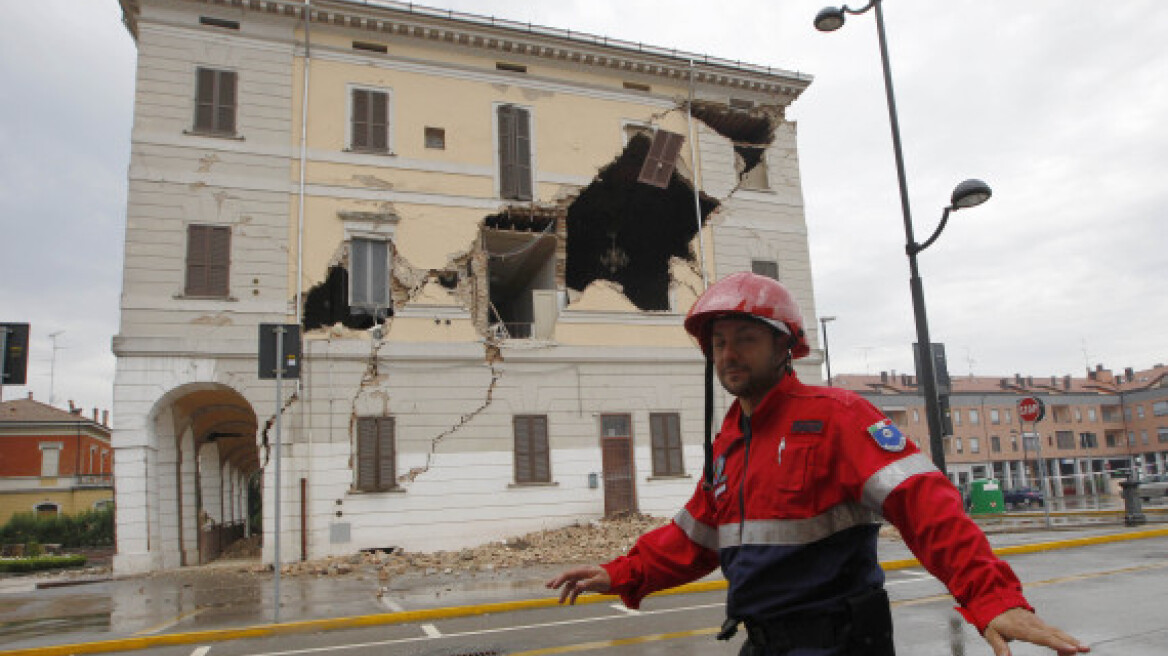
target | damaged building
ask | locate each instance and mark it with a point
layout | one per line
(488, 234)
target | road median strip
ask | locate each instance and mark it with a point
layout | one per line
(450, 612)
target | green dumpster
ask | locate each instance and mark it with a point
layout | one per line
(985, 496)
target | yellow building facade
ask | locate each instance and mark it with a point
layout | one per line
(487, 234)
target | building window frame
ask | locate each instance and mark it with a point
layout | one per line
(376, 454)
(666, 444)
(514, 127)
(217, 106)
(359, 135)
(51, 458)
(207, 266)
(369, 266)
(531, 449)
(764, 267)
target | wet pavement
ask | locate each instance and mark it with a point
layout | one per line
(39, 611)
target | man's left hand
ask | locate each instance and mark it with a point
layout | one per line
(1021, 624)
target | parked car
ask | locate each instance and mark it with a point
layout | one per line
(1155, 485)
(1023, 497)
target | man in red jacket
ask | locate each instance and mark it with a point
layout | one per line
(790, 502)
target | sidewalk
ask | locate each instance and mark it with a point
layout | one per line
(222, 597)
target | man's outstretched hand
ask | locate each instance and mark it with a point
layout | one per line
(590, 578)
(1021, 624)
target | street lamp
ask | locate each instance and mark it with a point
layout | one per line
(826, 354)
(967, 194)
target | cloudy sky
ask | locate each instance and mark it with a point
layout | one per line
(1061, 107)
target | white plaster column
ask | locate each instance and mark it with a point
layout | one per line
(189, 510)
(132, 495)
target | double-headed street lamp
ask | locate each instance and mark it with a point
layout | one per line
(826, 354)
(966, 194)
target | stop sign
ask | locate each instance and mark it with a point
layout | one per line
(1031, 409)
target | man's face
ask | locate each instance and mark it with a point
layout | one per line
(749, 357)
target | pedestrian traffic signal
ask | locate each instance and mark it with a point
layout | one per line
(14, 359)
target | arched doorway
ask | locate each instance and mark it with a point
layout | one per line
(215, 466)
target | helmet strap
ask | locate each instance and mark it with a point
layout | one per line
(708, 445)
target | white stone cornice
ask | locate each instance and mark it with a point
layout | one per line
(400, 19)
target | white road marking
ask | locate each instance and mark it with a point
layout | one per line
(201, 651)
(431, 631)
(522, 627)
(624, 609)
(392, 605)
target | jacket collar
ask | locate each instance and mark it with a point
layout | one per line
(770, 405)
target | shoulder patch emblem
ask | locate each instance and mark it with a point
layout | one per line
(807, 426)
(887, 435)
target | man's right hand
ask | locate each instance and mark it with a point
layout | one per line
(590, 578)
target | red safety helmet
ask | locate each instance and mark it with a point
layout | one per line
(751, 295)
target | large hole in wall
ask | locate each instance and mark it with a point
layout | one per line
(625, 231)
(328, 304)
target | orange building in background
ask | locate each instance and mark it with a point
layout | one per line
(53, 461)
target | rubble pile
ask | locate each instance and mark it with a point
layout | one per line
(591, 542)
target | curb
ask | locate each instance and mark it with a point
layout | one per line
(403, 617)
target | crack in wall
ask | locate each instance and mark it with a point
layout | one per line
(295, 396)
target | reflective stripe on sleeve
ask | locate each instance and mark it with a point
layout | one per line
(700, 534)
(796, 531)
(884, 481)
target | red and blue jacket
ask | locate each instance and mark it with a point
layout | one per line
(794, 511)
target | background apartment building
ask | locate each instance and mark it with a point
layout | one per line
(52, 461)
(1095, 430)
(481, 231)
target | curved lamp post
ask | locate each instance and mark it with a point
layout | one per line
(967, 194)
(826, 354)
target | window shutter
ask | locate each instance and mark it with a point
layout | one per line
(369, 274)
(360, 131)
(205, 99)
(507, 151)
(226, 103)
(378, 121)
(522, 154)
(673, 424)
(657, 437)
(386, 454)
(367, 453)
(540, 467)
(514, 152)
(197, 239)
(522, 450)
(659, 163)
(218, 260)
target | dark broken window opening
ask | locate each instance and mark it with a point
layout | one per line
(328, 304)
(750, 165)
(626, 232)
(521, 268)
(751, 126)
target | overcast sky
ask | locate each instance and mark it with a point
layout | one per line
(1061, 107)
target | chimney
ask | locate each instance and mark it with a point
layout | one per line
(72, 408)
(884, 377)
(1030, 381)
(1054, 381)
(1090, 375)
(1067, 382)
(1018, 380)
(95, 415)
(1004, 383)
(105, 417)
(1129, 374)
(1098, 367)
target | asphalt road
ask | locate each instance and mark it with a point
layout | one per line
(1112, 596)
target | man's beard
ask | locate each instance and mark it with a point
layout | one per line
(756, 383)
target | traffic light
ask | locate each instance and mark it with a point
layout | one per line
(14, 337)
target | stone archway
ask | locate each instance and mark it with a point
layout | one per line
(214, 455)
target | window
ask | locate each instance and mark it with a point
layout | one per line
(1013, 442)
(215, 101)
(376, 455)
(1159, 409)
(995, 416)
(916, 416)
(1127, 414)
(1066, 439)
(1144, 436)
(50, 459)
(768, 268)
(615, 426)
(974, 445)
(369, 121)
(974, 417)
(532, 463)
(665, 429)
(208, 260)
(1078, 414)
(435, 138)
(1131, 438)
(995, 444)
(751, 167)
(1088, 441)
(1111, 439)
(1092, 414)
(957, 443)
(956, 414)
(514, 152)
(46, 510)
(1140, 411)
(1009, 416)
(368, 276)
